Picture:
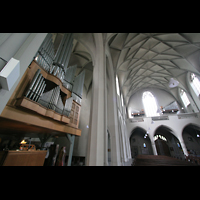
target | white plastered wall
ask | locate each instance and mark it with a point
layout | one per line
(21, 46)
(175, 124)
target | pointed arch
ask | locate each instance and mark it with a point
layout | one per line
(167, 143)
(150, 104)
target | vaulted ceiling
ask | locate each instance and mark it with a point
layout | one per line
(141, 60)
(144, 60)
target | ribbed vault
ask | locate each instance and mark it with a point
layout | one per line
(145, 60)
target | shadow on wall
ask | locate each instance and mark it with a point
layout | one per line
(140, 143)
(191, 137)
(167, 143)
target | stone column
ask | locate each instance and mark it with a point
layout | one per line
(97, 132)
(153, 144)
(180, 138)
(112, 118)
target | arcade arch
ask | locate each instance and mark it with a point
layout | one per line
(140, 143)
(191, 137)
(167, 143)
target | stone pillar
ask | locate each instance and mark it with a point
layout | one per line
(128, 148)
(97, 132)
(112, 114)
(180, 138)
(153, 144)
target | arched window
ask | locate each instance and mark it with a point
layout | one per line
(117, 85)
(185, 99)
(122, 100)
(150, 105)
(195, 83)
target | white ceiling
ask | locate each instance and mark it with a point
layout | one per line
(145, 60)
(142, 60)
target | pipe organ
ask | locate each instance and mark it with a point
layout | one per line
(49, 89)
(58, 66)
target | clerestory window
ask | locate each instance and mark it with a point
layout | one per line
(195, 84)
(185, 99)
(150, 104)
(117, 85)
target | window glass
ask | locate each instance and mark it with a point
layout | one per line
(150, 105)
(185, 99)
(195, 84)
(117, 85)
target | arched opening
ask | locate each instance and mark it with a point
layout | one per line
(109, 149)
(191, 137)
(167, 143)
(150, 104)
(195, 83)
(140, 143)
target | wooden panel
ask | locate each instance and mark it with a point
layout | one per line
(24, 158)
(74, 115)
(37, 120)
(36, 107)
(31, 114)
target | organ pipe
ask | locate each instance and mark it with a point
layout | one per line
(56, 64)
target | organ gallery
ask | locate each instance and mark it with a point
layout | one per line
(48, 97)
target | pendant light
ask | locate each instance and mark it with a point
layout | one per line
(173, 83)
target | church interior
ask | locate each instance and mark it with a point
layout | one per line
(99, 99)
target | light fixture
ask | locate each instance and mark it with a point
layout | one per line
(23, 142)
(173, 83)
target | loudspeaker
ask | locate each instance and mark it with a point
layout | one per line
(173, 83)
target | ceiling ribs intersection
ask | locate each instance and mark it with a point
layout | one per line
(151, 59)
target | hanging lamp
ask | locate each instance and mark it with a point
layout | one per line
(173, 83)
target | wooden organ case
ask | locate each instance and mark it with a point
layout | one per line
(47, 100)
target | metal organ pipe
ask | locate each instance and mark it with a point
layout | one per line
(38, 87)
(45, 53)
(58, 66)
(66, 60)
(39, 92)
(59, 49)
(35, 86)
(65, 45)
(61, 56)
(52, 99)
(33, 82)
(66, 52)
